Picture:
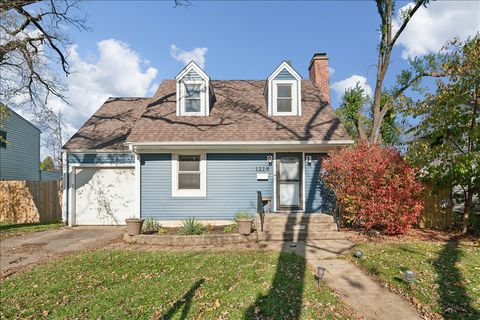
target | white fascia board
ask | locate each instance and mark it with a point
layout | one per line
(239, 146)
(194, 66)
(242, 143)
(285, 65)
(93, 151)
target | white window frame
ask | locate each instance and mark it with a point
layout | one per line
(202, 192)
(183, 98)
(294, 93)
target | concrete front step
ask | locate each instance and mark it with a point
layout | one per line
(309, 227)
(299, 235)
(299, 218)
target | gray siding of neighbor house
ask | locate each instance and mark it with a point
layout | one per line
(20, 160)
(231, 186)
(317, 197)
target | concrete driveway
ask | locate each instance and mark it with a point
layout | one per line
(24, 252)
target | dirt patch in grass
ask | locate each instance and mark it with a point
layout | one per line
(9, 230)
(412, 235)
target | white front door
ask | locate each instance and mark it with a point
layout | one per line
(104, 196)
(289, 181)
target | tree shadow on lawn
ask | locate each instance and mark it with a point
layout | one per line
(284, 298)
(455, 303)
(184, 303)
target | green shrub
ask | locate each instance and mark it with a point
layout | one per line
(243, 215)
(230, 228)
(191, 227)
(151, 225)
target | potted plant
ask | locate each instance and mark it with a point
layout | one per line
(244, 221)
(134, 226)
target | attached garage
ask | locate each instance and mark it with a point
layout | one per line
(103, 196)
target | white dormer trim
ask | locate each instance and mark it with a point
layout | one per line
(204, 93)
(296, 84)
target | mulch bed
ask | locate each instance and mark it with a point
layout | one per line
(209, 229)
(412, 234)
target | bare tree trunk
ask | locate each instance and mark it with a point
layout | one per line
(466, 208)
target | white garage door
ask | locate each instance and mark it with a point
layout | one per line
(104, 196)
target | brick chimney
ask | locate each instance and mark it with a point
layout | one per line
(318, 73)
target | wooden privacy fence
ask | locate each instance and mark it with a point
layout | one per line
(437, 208)
(30, 201)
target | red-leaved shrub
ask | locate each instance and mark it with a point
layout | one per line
(375, 188)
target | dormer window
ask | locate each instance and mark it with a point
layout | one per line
(284, 98)
(193, 91)
(193, 101)
(284, 92)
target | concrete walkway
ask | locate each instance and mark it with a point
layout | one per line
(356, 289)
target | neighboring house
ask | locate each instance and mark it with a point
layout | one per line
(203, 148)
(20, 150)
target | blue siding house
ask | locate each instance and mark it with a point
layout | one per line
(20, 154)
(20, 150)
(203, 148)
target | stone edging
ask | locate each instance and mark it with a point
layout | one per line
(176, 240)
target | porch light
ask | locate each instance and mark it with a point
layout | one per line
(293, 247)
(320, 274)
(358, 254)
(308, 160)
(410, 276)
(270, 160)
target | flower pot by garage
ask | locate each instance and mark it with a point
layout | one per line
(244, 226)
(134, 226)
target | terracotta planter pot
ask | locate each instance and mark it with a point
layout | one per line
(245, 226)
(134, 226)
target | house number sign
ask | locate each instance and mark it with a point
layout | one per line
(262, 169)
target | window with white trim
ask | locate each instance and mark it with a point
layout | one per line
(285, 101)
(193, 99)
(284, 97)
(188, 175)
(193, 91)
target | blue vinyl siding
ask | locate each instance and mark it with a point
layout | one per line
(284, 75)
(21, 157)
(231, 186)
(317, 197)
(104, 158)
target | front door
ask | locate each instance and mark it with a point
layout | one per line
(289, 181)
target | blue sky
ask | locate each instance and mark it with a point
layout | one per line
(133, 45)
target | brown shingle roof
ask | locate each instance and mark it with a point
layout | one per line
(110, 126)
(239, 114)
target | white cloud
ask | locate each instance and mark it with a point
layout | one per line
(431, 27)
(116, 72)
(331, 71)
(340, 87)
(196, 54)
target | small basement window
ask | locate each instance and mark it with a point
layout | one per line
(188, 175)
(3, 139)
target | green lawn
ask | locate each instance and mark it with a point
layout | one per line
(448, 274)
(170, 285)
(8, 230)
